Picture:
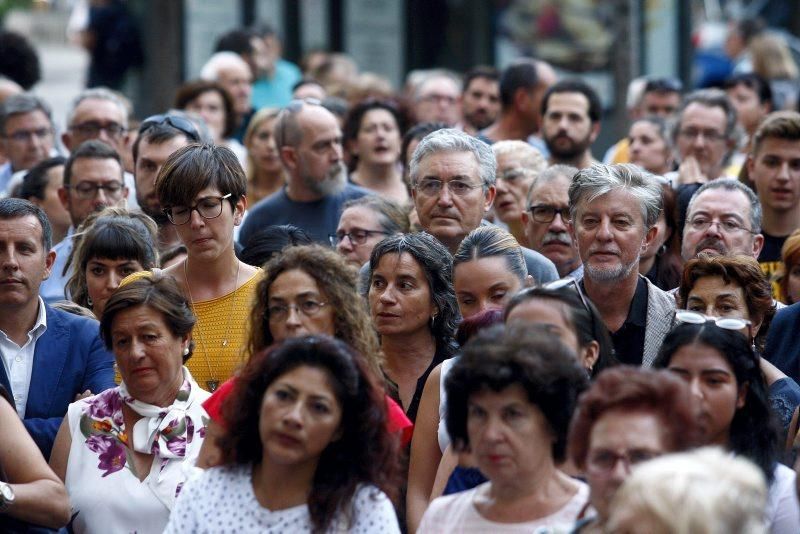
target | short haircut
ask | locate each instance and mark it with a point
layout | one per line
(417, 132)
(22, 103)
(271, 241)
(391, 216)
(548, 175)
(98, 93)
(593, 182)
(636, 390)
(16, 208)
(157, 291)
(36, 180)
(752, 81)
(434, 74)
(521, 74)
(287, 130)
(484, 72)
(19, 60)
(710, 98)
(219, 61)
(92, 149)
(531, 159)
(529, 356)
(451, 140)
(192, 168)
(192, 90)
(160, 133)
(238, 41)
(731, 184)
(491, 242)
(576, 86)
(778, 125)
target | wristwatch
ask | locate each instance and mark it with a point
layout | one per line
(6, 496)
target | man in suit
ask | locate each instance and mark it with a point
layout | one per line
(48, 356)
(613, 212)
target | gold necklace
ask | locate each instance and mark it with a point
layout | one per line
(213, 383)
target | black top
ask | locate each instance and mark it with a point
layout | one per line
(772, 248)
(629, 339)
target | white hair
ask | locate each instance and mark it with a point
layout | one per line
(219, 61)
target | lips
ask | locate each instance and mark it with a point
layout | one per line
(141, 370)
(287, 439)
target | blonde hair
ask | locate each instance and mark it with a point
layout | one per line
(261, 116)
(705, 491)
(771, 57)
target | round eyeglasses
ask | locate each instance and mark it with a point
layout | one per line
(207, 207)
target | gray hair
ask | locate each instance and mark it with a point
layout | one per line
(425, 76)
(531, 157)
(98, 93)
(597, 180)
(731, 184)
(219, 61)
(452, 140)
(22, 103)
(710, 98)
(550, 174)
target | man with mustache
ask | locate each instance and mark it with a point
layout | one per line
(310, 143)
(613, 212)
(546, 220)
(571, 122)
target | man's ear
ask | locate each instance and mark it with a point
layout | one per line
(595, 131)
(289, 157)
(48, 264)
(489, 195)
(63, 196)
(758, 244)
(648, 237)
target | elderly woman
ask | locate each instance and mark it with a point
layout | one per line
(265, 172)
(364, 222)
(735, 287)
(414, 311)
(123, 453)
(108, 247)
(308, 449)
(202, 191)
(510, 397)
(630, 415)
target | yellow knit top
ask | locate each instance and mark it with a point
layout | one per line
(220, 334)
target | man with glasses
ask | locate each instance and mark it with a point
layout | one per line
(613, 213)
(546, 220)
(26, 135)
(93, 180)
(437, 98)
(309, 141)
(453, 186)
(518, 164)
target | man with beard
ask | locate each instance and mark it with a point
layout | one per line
(93, 180)
(546, 220)
(310, 143)
(613, 212)
(723, 217)
(159, 136)
(571, 121)
(480, 100)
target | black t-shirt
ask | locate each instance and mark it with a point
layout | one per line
(770, 259)
(628, 341)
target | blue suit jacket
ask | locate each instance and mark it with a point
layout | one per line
(69, 358)
(782, 349)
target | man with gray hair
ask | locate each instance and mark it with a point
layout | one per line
(309, 142)
(26, 135)
(453, 186)
(234, 74)
(437, 98)
(613, 212)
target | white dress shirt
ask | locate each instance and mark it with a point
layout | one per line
(18, 361)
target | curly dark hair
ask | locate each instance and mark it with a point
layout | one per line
(352, 124)
(192, 90)
(531, 356)
(364, 454)
(753, 430)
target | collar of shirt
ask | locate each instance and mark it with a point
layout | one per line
(38, 328)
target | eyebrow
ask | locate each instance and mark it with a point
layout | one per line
(299, 295)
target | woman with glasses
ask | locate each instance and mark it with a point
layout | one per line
(730, 394)
(372, 137)
(627, 416)
(363, 223)
(510, 396)
(202, 191)
(265, 172)
(734, 287)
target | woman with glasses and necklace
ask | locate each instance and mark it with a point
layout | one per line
(734, 287)
(730, 394)
(201, 188)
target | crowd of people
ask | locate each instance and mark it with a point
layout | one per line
(300, 301)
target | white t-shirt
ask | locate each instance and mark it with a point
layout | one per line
(223, 500)
(783, 508)
(457, 513)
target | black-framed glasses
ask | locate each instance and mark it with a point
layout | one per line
(182, 124)
(726, 323)
(603, 462)
(701, 223)
(544, 213)
(431, 187)
(21, 136)
(87, 190)
(308, 307)
(207, 207)
(663, 85)
(93, 129)
(709, 135)
(357, 236)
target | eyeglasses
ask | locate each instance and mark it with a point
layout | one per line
(709, 135)
(512, 175)
(308, 307)
(21, 136)
(603, 462)
(543, 213)
(701, 223)
(207, 207)
(87, 190)
(726, 323)
(356, 236)
(431, 187)
(439, 99)
(663, 85)
(182, 124)
(93, 129)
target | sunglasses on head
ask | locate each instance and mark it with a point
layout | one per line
(183, 124)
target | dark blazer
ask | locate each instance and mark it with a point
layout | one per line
(783, 349)
(69, 358)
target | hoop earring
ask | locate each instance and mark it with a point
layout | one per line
(89, 301)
